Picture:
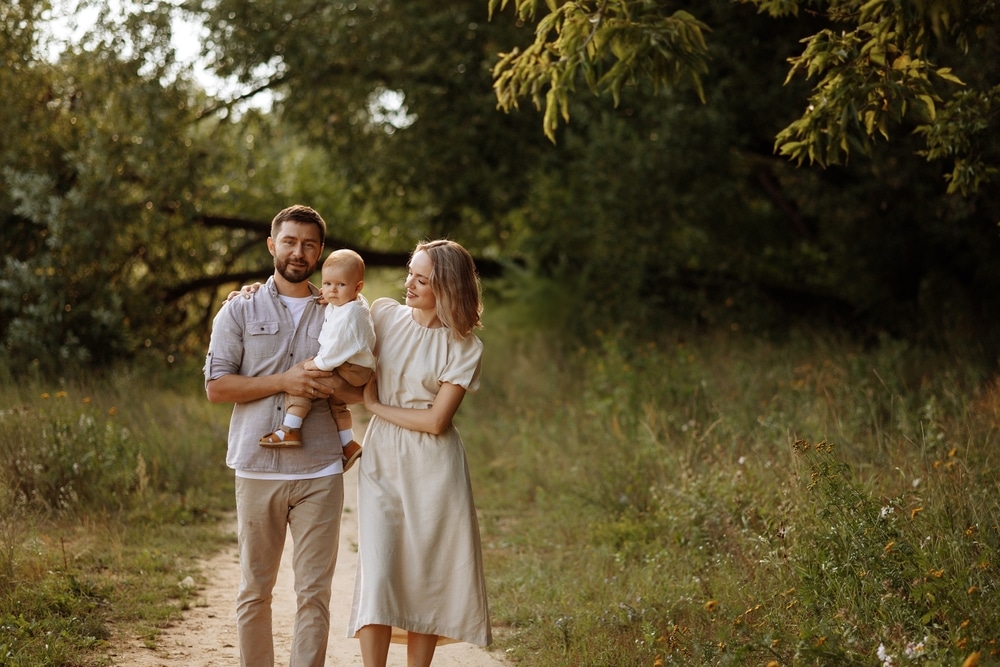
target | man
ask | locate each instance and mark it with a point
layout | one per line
(256, 355)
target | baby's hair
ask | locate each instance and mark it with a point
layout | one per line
(456, 286)
(350, 260)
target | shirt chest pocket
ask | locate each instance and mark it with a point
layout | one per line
(262, 340)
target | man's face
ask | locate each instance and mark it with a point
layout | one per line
(296, 250)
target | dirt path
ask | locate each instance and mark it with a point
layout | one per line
(206, 636)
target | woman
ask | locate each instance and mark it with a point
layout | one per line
(420, 570)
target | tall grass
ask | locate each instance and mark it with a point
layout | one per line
(719, 501)
(732, 502)
(110, 490)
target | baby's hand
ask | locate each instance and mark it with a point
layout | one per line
(246, 291)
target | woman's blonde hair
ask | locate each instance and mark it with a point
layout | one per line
(455, 283)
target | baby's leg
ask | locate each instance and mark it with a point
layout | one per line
(289, 435)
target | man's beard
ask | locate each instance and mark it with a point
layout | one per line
(293, 274)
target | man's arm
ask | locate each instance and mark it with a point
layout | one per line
(297, 380)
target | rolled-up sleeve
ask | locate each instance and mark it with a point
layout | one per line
(225, 349)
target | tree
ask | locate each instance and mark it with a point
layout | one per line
(879, 67)
(400, 95)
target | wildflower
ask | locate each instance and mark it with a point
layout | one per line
(886, 511)
(915, 650)
(973, 590)
(112, 411)
(888, 547)
(711, 605)
(774, 663)
(61, 394)
(915, 511)
(972, 660)
(86, 399)
(937, 574)
(658, 662)
(953, 452)
(821, 641)
(916, 482)
(964, 624)
(884, 656)
(46, 395)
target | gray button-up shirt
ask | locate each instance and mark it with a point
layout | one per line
(256, 337)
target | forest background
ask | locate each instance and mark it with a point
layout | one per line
(631, 176)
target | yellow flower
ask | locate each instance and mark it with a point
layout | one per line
(46, 395)
(937, 574)
(711, 605)
(112, 411)
(86, 399)
(972, 660)
(61, 394)
(973, 590)
(774, 663)
(658, 662)
(915, 511)
(953, 452)
(889, 546)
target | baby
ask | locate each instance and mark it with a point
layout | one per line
(346, 345)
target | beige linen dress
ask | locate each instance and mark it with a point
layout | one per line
(420, 565)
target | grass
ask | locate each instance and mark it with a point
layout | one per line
(736, 502)
(720, 501)
(104, 508)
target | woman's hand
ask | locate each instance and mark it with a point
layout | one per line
(246, 291)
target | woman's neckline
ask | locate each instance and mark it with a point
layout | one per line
(413, 316)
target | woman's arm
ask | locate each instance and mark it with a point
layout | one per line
(434, 420)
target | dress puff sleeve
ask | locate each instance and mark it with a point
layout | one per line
(464, 363)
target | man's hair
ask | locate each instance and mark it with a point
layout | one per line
(455, 283)
(349, 259)
(298, 213)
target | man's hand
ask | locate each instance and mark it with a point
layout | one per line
(308, 382)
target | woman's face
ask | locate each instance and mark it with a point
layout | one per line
(418, 283)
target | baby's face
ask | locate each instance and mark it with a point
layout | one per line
(339, 287)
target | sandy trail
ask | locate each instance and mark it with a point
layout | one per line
(206, 636)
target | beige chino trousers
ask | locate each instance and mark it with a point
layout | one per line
(310, 511)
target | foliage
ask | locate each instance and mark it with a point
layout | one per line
(686, 218)
(682, 503)
(131, 200)
(614, 45)
(400, 95)
(103, 510)
(877, 65)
